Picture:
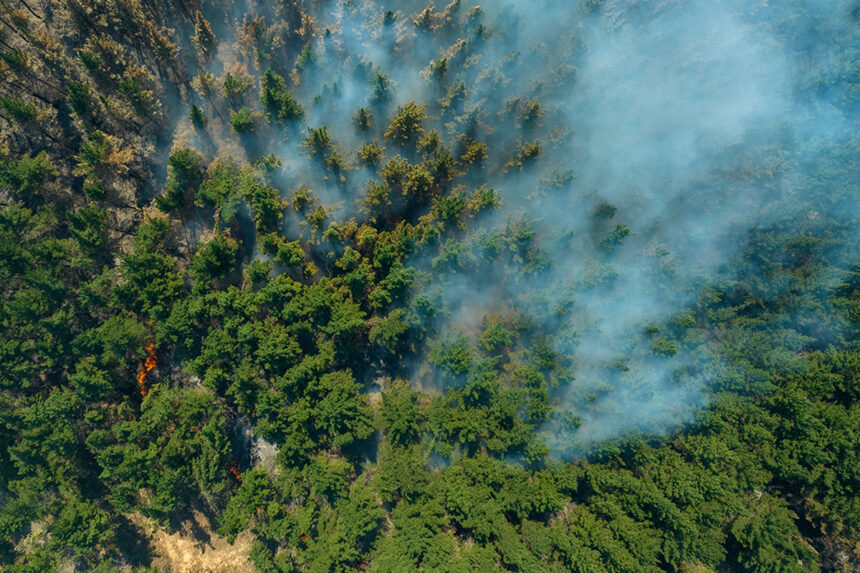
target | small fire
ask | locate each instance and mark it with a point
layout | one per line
(235, 471)
(151, 362)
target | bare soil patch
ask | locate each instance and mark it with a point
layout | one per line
(196, 548)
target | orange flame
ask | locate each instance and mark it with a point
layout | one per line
(235, 471)
(151, 362)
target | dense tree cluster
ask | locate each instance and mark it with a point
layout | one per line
(187, 176)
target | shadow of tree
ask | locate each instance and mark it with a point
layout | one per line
(196, 519)
(133, 543)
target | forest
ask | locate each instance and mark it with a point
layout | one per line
(363, 285)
